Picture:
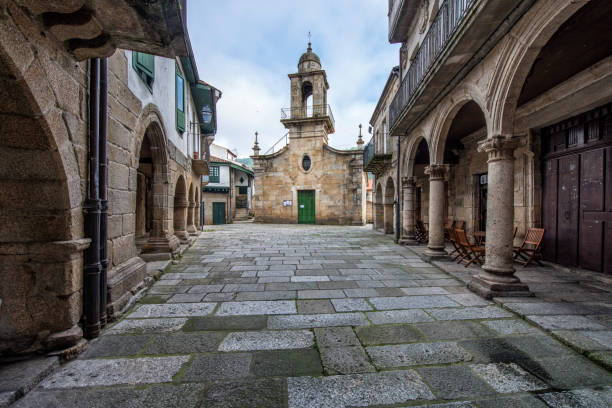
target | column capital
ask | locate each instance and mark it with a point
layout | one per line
(500, 147)
(408, 182)
(437, 171)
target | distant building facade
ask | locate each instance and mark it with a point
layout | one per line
(308, 181)
(228, 196)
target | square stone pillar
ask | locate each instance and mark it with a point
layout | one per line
(408, 211)
(497, 277)
(435, 246)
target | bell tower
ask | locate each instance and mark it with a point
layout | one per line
(309, 114)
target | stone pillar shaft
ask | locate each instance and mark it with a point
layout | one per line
(408, 211)
(435, 246)
(497, 276)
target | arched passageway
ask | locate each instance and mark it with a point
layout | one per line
(144, 192)
(379, 213)
(40, 217)
(389, 201)
(415, 190)
(181, 204)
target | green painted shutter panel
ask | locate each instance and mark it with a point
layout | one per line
(306, 206)
(146, 62)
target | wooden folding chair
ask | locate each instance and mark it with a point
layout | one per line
(458, 248)
(421, 233)
(475, 252)
(447, 227)
(459, 225)
(530, 248)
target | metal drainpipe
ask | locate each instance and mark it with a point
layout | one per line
(397, 193)
(91, 270)
(102, 125)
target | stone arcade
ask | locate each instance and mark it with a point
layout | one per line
(308, 181)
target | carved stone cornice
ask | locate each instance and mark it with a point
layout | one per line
(500, 147)
(408, 182)
(437, 171)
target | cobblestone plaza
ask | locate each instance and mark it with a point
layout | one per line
(287, 316)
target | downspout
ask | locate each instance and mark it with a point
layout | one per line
(91, 269)
(397, 192)
(103, 113)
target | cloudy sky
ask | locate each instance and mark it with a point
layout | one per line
(246, 48)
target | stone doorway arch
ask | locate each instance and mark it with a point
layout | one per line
(379, 213)
(153, 221)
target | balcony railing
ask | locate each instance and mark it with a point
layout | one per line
(450, 15)
(314, 111)
(374, 161)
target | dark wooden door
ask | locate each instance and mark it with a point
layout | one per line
(567, 211)
(576, 210)
(218, 213)
(306, 207)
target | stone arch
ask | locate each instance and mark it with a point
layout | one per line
(151, 134)
(379, 216)
(519, 52)
(40, 206)
(446, 116)
(389, 201)
(181, 205)
(410, 152)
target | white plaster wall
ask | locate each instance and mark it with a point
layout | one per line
(224, 176)
(164, 97)
(243, 175)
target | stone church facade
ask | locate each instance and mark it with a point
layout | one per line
(308, 181)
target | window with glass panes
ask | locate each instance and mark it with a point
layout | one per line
(214, 174)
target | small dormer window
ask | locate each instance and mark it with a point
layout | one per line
(306, 163)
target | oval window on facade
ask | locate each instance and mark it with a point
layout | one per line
(306, 163)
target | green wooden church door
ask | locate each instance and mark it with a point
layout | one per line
(218, 213)
(306, 206)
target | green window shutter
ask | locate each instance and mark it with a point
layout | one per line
(180, 102)
(214, 174)
(144, 65)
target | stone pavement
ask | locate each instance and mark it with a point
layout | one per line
(314, 316)
(574, 306)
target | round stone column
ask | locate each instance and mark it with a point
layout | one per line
(435, 246)
(191, 228)
(408, 215)
(497, 275)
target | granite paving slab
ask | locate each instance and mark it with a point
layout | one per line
(267, 340)
(345, 360)
(287, 363)
(142, 326)
(173, 310)
(336, 337)
(404, 355)
(581, 398)
(357, 390)
(270, 307)
(116, 346)
(266, 392)
(351, 305)
(108, 372)
(316, 320)
(184, 343)
(208, 367)
(566, 322)
(315, 306)
(226, 323)
(399, 316)
(508, 378)
(412, 302)
(392, 334)
(468, 313)
(454, 382)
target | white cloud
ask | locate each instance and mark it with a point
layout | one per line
(247, 48)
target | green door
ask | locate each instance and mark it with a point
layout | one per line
(306, 206)
(218, 213)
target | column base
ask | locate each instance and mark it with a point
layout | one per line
(182, 236)
(408, 241)
(169, 244)
(434, 253)
(489, 290)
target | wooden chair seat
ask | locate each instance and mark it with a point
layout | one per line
(530, 249)
(471, 253)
